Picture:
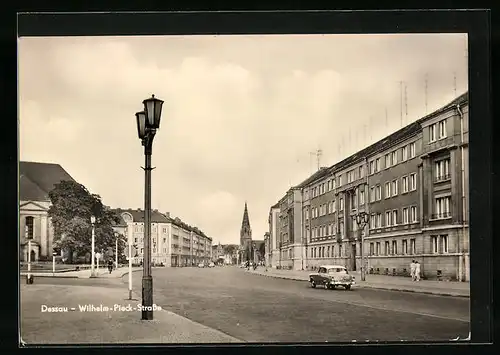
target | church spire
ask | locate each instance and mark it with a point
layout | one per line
(246, 221)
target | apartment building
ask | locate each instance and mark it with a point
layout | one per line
(174, 243)
(413, 185)
(274, 235)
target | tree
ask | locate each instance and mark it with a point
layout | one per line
(262, 249)
(71, 207)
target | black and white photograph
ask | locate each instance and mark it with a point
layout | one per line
(214, 189)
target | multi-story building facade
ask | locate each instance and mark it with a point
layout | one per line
(413, 185)
(174, 243)
(274, 235)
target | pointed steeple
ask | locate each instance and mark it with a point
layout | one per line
(246, 231)
(246, 221)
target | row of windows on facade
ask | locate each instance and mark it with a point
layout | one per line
(409, 215)
(391, 159)
(165, 252)
(200, 247)
(439, 245)
(140, 229)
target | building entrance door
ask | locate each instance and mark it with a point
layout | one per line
(353, 257)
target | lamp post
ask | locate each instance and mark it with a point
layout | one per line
(54, 263)
(92, 269)
(26, 235)
(129, 267)
(116, 249)
(148, 121)
(362, 219)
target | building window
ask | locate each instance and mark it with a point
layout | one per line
(340, 250)
(334, 183)
(372, 194)
(372, 248)
(354, 201)
(442, 129)
(377, 251)
(413, 150)
(405, 215)
(405, 247)
(136, 229)
(442, 169)
(30, 224)
(387, 189)
(341, 228)
(360, 172)
(372, 221)
(394, 157)
(432, 132)
(142, 250)
(164, 240)
(413, 213)
(387, 248)
(394, 247)
(378, 192)
(135, 240)
(442, 207)
(434, 244)
(404, 153)
(379, 220)
(413, 247)
(361, 197)
(387, 161)
(372, 167)
(341, 201)
(404, 183)
(377, 164)
(388, 221)
(444, 244)
(340, 180)
(394, 188)
(413, 181)
(333, 206)
(350, 176)
(395, 217)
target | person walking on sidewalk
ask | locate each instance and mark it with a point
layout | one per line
(110, 265)
(417, 271)
(413, 266)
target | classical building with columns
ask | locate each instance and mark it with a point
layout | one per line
(412, 184)
(36, 180)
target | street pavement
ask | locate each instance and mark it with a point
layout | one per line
(229, 304)
(253, 308)
(395, 283)
(108, 327)
(85, 274)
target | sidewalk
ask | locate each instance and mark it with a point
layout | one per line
(394, 283)
(85, 274)
(101, 327)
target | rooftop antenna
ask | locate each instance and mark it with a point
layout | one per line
(310, 161)
(406, 104)
(426, 79)
(319, 153)
(455, 83)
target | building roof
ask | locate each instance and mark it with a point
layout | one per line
(36, 180)
(317, 175)
(245, 222)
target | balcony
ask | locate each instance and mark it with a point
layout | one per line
(442, 178)
(443, 215)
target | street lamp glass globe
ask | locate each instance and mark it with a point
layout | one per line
(358, 219)
(152, 108)
(365, 217)
(141, 124)
(92, 219)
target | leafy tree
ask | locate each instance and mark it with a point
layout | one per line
(70, 212)
(262, 249)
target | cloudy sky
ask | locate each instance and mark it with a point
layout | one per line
(241, 113)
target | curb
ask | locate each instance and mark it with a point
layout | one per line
(53, 276)
(126, 273)
(435, 293)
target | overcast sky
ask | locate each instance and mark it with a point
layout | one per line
(241, 113)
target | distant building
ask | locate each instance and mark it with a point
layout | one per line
(245, 238)
(36, 180)
(174, 243)
(414, 186)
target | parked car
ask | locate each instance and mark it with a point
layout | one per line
(201, 265)
(331, 276)
(211, 265)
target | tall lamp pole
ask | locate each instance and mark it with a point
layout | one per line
(148, 121)
(116, 250)
(92, 265)
(362, 219)
(27, 237)
(129, 266)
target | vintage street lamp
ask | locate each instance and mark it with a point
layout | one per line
(116, 250)
(92, 266)
(148, 121)
(362, 219)
(29, 279)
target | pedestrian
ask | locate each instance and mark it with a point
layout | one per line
(412, 270)
(110, 265)
(417, 271)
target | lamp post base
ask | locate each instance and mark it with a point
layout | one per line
(129, 294)
(147, 298)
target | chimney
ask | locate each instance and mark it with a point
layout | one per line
(167, 214)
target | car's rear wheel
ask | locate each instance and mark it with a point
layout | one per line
(347, 287)
(313, 284)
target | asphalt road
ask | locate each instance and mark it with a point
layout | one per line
(262, 309)
(256, 308)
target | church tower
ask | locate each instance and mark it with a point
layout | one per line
(246, 235)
